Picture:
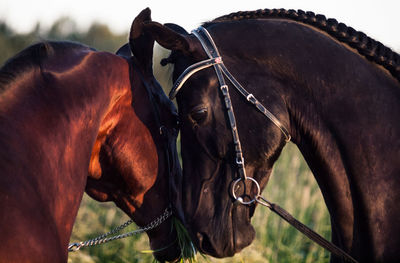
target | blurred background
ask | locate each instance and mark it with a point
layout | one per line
(105, 26)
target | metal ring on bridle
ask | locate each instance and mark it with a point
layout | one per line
(239, 198)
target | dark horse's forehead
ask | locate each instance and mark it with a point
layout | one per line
(200, 88)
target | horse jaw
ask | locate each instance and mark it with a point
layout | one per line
(207, 223)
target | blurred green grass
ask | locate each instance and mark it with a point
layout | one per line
(292, 186)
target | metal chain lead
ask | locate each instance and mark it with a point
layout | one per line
(104, 238)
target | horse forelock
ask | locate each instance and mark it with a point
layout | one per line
(371, 49)
(163, 74)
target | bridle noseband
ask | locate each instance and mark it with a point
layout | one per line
(214, 59)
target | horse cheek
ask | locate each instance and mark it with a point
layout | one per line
(140, 166)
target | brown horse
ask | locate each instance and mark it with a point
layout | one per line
(73, 118)
(330, 88)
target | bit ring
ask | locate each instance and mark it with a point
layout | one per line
(240, 198)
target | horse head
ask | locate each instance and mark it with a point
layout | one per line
(134, 156)
(208, 152)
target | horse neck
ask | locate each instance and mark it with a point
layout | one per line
(47, 137)
(345, 130)
(346, 134)
(342, 114)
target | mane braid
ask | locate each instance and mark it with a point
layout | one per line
(373, 50)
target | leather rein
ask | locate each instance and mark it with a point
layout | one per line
(215, 60)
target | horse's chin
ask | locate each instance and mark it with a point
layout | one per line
(167, 256)
(228, 239)
(165, 247)
(166, 252)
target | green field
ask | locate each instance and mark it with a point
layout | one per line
(292, 186)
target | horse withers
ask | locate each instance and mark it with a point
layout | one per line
(75, 119)
(330, 88)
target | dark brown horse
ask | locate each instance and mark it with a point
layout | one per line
(66, 109)
(334, 90)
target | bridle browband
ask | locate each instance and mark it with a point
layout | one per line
(214, 59)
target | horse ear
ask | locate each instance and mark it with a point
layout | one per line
(141, 43)
(170, 36)
(176, 28)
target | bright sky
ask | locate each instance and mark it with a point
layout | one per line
(377, 18)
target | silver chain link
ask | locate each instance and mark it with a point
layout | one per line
(104, 237)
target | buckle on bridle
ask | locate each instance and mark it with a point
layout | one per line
(239, 160)
(163, 131)
(250, 97)
(224, 89)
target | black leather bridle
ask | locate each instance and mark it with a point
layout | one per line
(215, 60)
(165, 132)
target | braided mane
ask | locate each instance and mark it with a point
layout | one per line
(373, 50)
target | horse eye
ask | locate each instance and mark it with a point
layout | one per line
(199, 115)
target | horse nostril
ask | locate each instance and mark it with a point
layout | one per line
(205, 243)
